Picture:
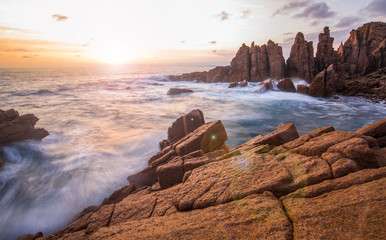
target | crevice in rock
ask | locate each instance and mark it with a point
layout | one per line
(202, 194)
(111, 216)
(167, 209)
(154, 205)
(289, 219)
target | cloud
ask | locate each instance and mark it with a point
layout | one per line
(213, 42)
(288, 33)
(59, 17)
(347, 21)
(17, 50)
(223, 15)
(85, 45)
(376, 8)
(246, 13)
(26, 56)
(291, 6)
(183, 41)
(316, 10)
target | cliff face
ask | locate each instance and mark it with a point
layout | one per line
(325, 55)
(361, 44)
(279, 186)
(301, 61)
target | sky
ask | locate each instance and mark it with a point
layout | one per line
(53, 33)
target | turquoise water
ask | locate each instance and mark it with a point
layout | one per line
(105, 123)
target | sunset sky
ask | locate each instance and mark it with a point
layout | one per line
(51, 33)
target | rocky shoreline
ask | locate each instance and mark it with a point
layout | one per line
(327, 183)
(357, 68)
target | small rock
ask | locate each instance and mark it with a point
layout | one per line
(176, 91)
(302, 89)
(336, 97)
(233, 85)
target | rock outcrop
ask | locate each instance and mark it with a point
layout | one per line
(325, 54)
(278, 186)
(241, 65)
(188, 137)
(301, 61)
(276, 60)
(361, 44)
(326, 83)
(16, 128)
(243, 83)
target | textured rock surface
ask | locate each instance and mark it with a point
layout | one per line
(241, 64)
(301, 61)
(362, 43)
(259, 63)
(325, 54)
(315, 186)
(16, 128)
(376, 130)
(326, 83)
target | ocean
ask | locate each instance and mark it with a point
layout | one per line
(106, 122)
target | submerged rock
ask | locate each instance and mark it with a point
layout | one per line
(177, 91)
(243, 83)
(16, 128)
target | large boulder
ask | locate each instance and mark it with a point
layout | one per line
(184, 125)
(301, 61)
(283, 134)
(16, 128)
(286, 85)
(376, 130)
(326, 83)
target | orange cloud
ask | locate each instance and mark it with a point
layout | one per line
(59, 17)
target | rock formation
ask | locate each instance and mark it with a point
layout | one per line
(275, 60)
(188, 137)
(279, 186)
(362, 43)
(16, 128)
(325, 54)
(259, 63)
(301, 61)
(241, 65)
(243, 83)
(326, 83)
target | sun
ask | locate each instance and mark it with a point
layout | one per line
(114, 56)
(112, 52)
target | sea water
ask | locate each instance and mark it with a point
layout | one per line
(105, 123)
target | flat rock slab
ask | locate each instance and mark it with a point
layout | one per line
(254, 217)
(357, 212)
(247, 174)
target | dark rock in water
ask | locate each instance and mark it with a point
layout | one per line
(1, 164)
(176, 91)
(233, 85)
(286, 85)
(127, 88)
(243, 83)
(336, 97)
(301, 61)
(15, 128)
(302, 89)
(30, 236)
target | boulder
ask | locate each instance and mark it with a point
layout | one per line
(286, 85)
(326, 83)
(376, 130)
(264, 86)
(16, 128)
(177, 91)
(243, 83)
(302, 89)
(185, 125)
(301, 61)
(233, 85)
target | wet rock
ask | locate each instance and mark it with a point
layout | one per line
(301, 61)
(243, 83)
(286, 85)
(302, 89)
(376, 130)
(264, 86)
(15, 128)
(233, 85)
(283, 134)
(177, 91)
(241, 64)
